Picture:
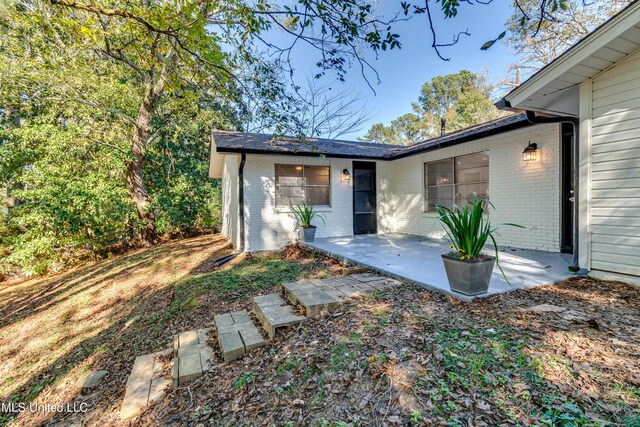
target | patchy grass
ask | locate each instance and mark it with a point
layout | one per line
(101, 316)
(412, 357)
(405, 356)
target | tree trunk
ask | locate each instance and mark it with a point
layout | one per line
(135, 181)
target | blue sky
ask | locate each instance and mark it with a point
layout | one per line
(402, 72)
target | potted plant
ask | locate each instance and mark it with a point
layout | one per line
(468, 269)
(305, 214)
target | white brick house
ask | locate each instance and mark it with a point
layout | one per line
(581, 194)
(527, 193)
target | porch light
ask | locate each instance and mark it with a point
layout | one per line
(530, 153)
(346, 176)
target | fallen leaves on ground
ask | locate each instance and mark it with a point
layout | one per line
(405, 356)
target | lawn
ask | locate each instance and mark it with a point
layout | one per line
(401, 357)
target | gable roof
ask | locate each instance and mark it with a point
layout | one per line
(554, 89)
(256, 143)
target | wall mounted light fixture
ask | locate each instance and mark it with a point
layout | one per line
(530, 153)
(346, 176)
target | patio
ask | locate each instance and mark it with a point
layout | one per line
(417, 259)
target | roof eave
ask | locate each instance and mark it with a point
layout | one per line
(604, 34)
(468, 138)
(297, 153)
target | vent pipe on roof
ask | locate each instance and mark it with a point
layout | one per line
(443, 126)
(517, 82)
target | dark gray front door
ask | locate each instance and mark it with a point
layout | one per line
(566, 244)
(364, 198)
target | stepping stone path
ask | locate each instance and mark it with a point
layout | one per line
(237, 335)
(145, 384)
(274, 313)
(192, 356)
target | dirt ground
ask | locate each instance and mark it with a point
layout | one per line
(402, 357)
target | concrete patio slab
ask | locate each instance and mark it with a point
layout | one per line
(418, 260)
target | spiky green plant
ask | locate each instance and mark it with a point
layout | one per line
(305, 214)
(469, 228)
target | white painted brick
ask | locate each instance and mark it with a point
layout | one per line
(523, 193)
(526, 193)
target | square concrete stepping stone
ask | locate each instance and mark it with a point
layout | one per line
(145, 384)
(381, 284)
(189, 367)
(136, 398)
(237, 335)
(231, 344)
(367, 277)
(159, 387)
(192, 356)
(274, 313)
(313, 297)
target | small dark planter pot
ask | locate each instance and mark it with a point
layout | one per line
(307, 234)
(469, 277)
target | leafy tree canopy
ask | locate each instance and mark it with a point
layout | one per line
(462, 99)
(538, 42)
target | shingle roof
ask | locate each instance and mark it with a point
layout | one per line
(256, 143)
(260, 143)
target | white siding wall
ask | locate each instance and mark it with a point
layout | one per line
(230, 218)
(526, 193)
(614, 199)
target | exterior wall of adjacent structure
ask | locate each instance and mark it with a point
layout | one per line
(527, 193)
(610, 169)
(230, 187)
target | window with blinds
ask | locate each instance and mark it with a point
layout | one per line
(455, 180)
(297, 184)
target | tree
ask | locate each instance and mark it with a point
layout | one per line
(404, 130)
(321, 110)
(560, 29)
(167, 54)
(462, 99)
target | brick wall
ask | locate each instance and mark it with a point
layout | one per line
(524, 193)
(268, 227)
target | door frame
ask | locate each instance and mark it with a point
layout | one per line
(566, 183)
(370, 166)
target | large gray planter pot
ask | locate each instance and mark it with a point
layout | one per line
(469, 277)
(307, 234)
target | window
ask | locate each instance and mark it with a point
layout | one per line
(302, 184)
(455, 180)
